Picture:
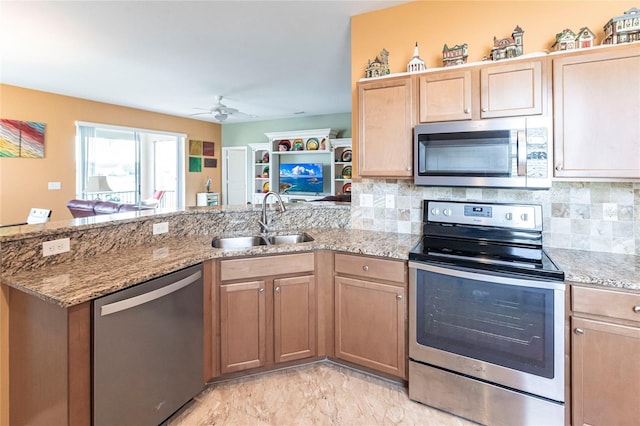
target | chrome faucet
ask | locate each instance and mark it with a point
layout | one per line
(264, 222)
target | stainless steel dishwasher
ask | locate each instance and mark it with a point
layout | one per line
(147, 349)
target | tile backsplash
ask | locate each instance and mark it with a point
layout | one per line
(594, 216)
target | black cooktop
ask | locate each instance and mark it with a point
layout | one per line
(503, 259)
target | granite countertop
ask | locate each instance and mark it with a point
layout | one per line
(78, 281)
(93, 275)
(620, 271)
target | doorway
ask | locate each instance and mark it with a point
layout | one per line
(234, 175)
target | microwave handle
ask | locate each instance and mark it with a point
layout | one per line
(522, 152)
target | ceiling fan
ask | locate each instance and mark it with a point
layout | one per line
(219, 111)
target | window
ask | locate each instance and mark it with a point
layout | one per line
(128, 165)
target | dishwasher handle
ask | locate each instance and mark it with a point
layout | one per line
(141, 299)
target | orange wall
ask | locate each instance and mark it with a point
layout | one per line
(434, 23)
(23, 182)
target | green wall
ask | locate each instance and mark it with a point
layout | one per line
(242, 134)
(239, 134)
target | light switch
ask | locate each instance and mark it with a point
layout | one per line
(54, 185)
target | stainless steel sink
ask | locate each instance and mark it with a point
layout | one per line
(238, 242)
(255, 241)
(289, 239)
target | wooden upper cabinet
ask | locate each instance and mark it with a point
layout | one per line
(515, 88)
(596, 104)
(386, 116)
(512, 89)
(445, 96)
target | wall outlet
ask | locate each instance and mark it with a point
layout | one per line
(54, 185)
(389, 201)
(160, 228)
(49, 248)
(610, 211)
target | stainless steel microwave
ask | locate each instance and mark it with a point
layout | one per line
(500, 153)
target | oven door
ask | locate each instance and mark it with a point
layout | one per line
(498, 328)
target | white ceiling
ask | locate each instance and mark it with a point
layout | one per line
(270, 59)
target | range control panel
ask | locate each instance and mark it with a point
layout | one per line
(514, 216)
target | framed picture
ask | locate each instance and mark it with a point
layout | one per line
(195, 164)
(195, 147)
(24, 139)
(208, 149)
(211, 162)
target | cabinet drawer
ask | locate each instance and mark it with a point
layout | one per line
(370, 267)
(607, 303)
(236, 269)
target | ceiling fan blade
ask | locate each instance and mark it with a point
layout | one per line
(201, 113)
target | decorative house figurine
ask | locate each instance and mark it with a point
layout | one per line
(509, 47)
(416, 64)
(624, 28)
(568, 40)
(455, 55)
(565, 40)
(379, 66)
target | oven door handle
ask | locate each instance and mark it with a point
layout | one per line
(497, 279)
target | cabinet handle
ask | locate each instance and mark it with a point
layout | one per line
(278, 289)
(558, 167)
(409, 168)
(261, 290)
(636, 309)
(399, 296)
(485, 109)
(466, 110)
(579, 331)
(365, 268)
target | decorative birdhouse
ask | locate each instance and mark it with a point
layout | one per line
(455, 55)
(509, 47)
(416, 64)
(624, 28)
(379, 66)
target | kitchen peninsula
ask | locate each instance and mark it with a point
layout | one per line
(50, 298)
(112, 253)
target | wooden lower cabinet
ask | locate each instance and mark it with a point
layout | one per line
(270, 319)
(294, 318)
(371, 316)
(243, 326)
(605, 363)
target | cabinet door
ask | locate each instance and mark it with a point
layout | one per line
(596, 102)
(605, 373)
(243, 326)
(445, 96)
(385, 127)
(511, 90)
(370, 325)
(294, 318)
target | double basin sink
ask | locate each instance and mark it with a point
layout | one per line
(255, 241)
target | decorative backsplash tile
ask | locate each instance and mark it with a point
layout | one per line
(594, 216)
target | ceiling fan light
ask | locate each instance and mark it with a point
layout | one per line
(220, 116)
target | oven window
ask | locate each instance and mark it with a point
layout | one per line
(506, 325)
(486, 153)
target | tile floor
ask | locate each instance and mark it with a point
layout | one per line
(322, 393)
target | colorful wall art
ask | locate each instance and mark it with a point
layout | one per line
(199, 149)
(23, 139)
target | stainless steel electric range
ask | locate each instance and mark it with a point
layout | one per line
(486, 324)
